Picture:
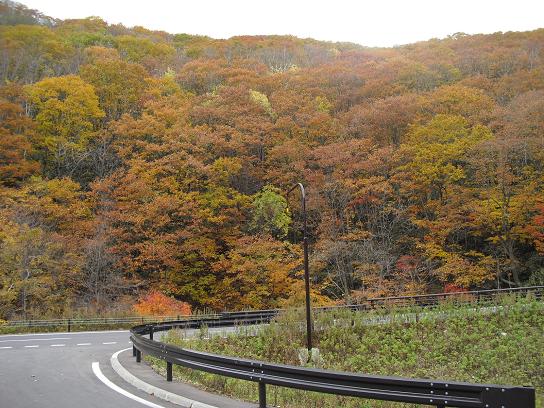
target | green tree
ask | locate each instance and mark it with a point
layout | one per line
(270, 214)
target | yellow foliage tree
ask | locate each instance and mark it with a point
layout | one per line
(66, 111)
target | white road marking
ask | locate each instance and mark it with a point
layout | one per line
(110, 342)
(58, 345)
(52, 338)
(32, 346)
(102, 377)
(6, 347)
(83, 344)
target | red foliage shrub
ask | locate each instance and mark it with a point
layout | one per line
(452, 288)
(155, 303)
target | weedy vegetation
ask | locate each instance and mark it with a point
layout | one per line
(499, 342)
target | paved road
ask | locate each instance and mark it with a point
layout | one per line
(54, 370)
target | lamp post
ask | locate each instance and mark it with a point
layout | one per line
(306, 268)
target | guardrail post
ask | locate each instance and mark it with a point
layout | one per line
(133, 351)
(69, 325)
(262, 395)
(138, 356)
(168, 371)
(151, 333)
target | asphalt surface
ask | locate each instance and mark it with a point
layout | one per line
(54, 370)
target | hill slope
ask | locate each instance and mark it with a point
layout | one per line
(134, 160)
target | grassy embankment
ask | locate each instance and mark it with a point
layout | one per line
(482, 344)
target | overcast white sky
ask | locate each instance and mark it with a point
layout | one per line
(371, 23)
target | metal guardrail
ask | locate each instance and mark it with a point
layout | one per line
(417, 391)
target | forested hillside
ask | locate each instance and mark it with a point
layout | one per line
(134, 161)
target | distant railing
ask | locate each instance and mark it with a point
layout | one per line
(70, 324)
(430, 300)
(472, 296)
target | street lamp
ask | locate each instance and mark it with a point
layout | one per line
(306, 268)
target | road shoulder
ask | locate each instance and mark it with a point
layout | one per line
(144, 378)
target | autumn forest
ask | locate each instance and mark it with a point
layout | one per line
(140, 163)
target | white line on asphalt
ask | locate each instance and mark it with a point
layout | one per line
(8, 347)
(110, 342)
(150, 389)
(52, 338)
(102, 377)
(31, 346)
(83, 344)
(58, 345)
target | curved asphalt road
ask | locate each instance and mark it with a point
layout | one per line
(54, 370)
